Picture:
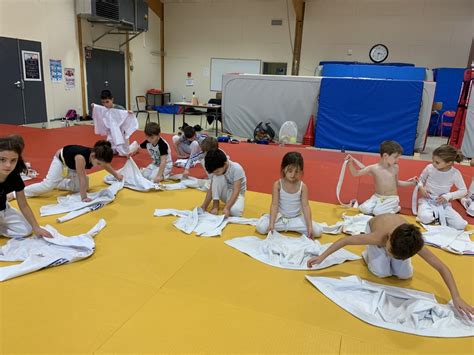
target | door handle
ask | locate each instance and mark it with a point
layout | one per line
(17, 84)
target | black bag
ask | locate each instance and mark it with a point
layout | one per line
(263, 132)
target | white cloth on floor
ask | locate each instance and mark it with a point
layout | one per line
(181, 163)
(132, 178)
(76, 207)
(378, 204)
(352, 225)
(37, 253)
(117, 125)
(192, 182)
(450, 239)
(288, 252)
(202, 223)
(394, 308)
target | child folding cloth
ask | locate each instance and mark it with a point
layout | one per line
(156, 152)
(222, 187)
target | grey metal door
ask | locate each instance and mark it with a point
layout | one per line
(35, 99)
(22, 101)
(106, 70)
(11, 82)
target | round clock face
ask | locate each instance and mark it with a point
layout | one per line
(378, 53)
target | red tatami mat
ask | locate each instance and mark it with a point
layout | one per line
(260, 162)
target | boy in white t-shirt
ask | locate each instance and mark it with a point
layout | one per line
(228, 184)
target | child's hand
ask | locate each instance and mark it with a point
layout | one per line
(310, 234)
(463, 308)
(40, 232)
(129, 111)
(314, 260)
(119, 177)
(86, 199)
(414, 180)
(226, 212)
(214, 211)
(422, 192)
(185, 174)
(157, 180)
(441, 200)
(348, 157)
(270, 229)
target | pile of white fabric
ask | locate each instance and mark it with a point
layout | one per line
(449, 239)
(288, 252)
(75, 207)
(133, 178)
(352, 225)
(37, 253)
(395, 308)
(202, 223)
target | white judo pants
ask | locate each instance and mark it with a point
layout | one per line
(183, 148)
(283, 224)
(55, 180)
(221, 192)
(378, 204)
(13, 224)
(151, 171)
(429, 210)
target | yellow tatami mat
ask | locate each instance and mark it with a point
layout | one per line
(150, 288)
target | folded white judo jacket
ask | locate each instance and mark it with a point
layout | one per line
(449, 239)
(76, 207)
(190, 182)
(37, 253)
(202, 223)
(133, 178)
(117, 125)
(288, 252)
(395, 308)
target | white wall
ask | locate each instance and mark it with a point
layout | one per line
(53, 23)
(429, 33)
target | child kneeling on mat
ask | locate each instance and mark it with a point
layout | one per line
(228, 184)
(290, 210)
(68, 169)
(391, 242)
(160, 153)
(385, 173)
(12, 223)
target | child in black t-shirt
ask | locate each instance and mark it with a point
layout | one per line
(12, 223)
(160, 153)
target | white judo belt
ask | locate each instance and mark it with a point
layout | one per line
(202, 223)
(353, 202)
(75, 207)
(449, 239)
(133, 178)
(438, 209)
(395, 308)
(37, 253)
(288, 252)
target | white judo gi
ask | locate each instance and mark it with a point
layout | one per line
(117, 125)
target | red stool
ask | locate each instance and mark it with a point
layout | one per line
(450, 114)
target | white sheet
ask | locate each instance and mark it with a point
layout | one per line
(76, 207)
(288, 252)
(352, 225)
(395, 308)
(37, 253)
(133, 178)
(202, 223)
(449, 239)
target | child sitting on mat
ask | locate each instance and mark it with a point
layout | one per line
(385, 173)
(208, 144)
(435, 185)
(12, 223)
(228, 184)
(391, 242)
(189, 143)
(68, 169)
(160, 153)
(290, 209)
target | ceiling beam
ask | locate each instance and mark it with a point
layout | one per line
(157, 7)
(298, 6)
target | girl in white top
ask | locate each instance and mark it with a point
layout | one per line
(290, 209)
(435, 185)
